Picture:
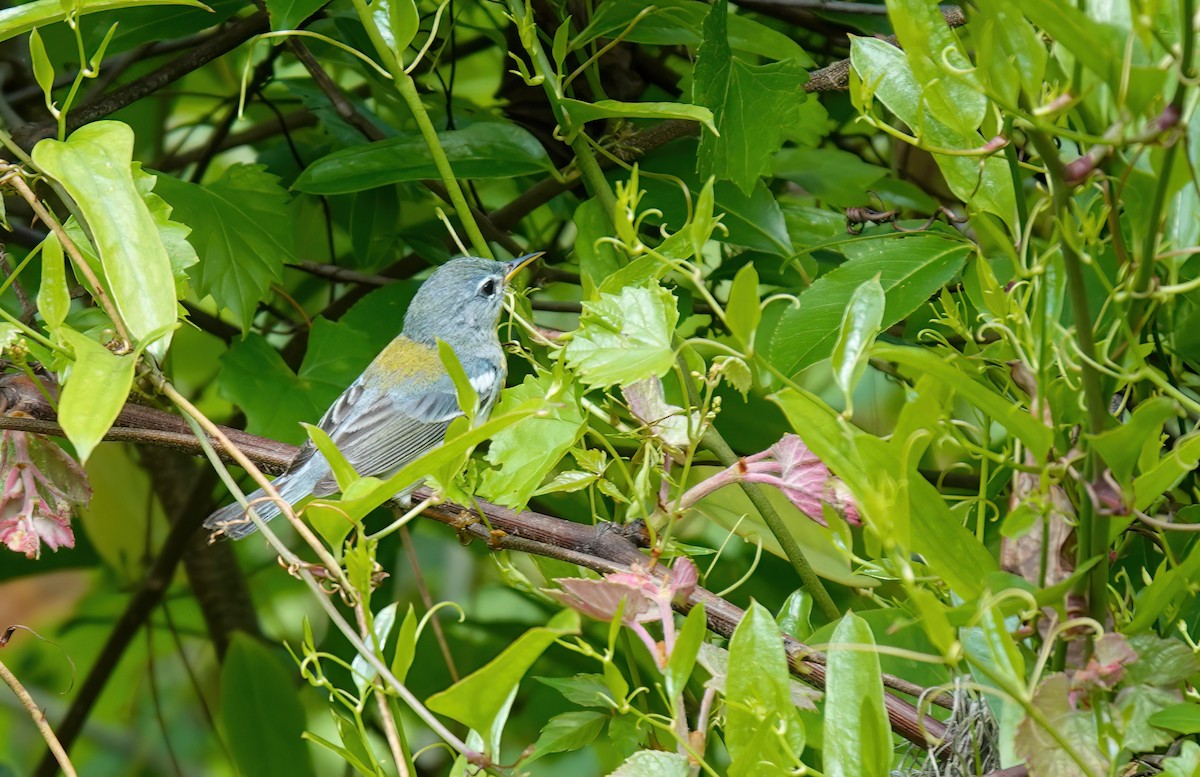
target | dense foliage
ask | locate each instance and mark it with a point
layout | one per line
(851, 412)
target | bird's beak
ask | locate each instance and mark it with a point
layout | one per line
(513, 267)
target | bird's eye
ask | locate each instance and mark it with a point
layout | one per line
(488, 287)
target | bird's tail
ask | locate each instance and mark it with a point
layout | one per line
(232, 522)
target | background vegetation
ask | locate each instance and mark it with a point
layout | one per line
(874, 326)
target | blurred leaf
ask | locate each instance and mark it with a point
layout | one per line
(763, 731)
(255, 377)
(94, 392)
(94, 166)
(582, 112)
(751, 105)
(910, 270)
(373, 227)
(260, 712)
(1185, 764)
(623, 338)
(523, 454)
(478, 698)
(598, 258)
(23, 18)
(653, 763)
(858, 742)
(242, 231)
(482, 150)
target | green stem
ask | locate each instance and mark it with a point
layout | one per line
(1093, 528)
(808, 577)
(407, 89)
(1144, 273)
(593, 176)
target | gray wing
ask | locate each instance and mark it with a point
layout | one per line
(379, 435)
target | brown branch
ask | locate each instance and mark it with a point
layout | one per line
(603, 548)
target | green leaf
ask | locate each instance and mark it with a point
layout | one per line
(910, 270)
(1042, 751)
(94, 166)
(624, 337)
(94, 392)
(860, 326)
(683, 655)
(598, 259)
(1121, 447)
(406, 645)
(381, 627)
(763, 730)
(261, 713)
(523, 454)
(983, 181)
(567, 732)
(581, 112)
(43, 70)
(586, 690)
(1016, 419)
(174, 234)
(242, 230)
(831, 175)
(255, 377)
(482, 150)
(1097, 46)
(1167, 473)
(653, 763)
(675, 22)
(950, 86)
(873, 472)
(1183, 718)
(755, 221)
(743, 311)
(858, 741)
(53, 298)
(751, 105)
(1186, 764)
(477, 699)
(288, 14)
(464, 392)
(23, 18)
(1010, 53)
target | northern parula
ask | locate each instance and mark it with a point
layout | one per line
(400, 406)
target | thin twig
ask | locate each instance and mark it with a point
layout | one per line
(13, 176)
(39, 720)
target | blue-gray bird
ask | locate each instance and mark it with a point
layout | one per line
(400, 406)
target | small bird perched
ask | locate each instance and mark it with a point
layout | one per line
(399, 408)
